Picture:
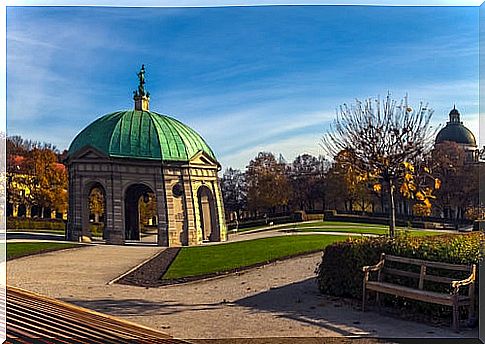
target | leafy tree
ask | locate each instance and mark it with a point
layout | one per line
(383, 136)
(34, 175)
(148, 208)
(306, 176)
(96, 203)
(234, 191)
(346, 184)
(267, 183)
(459, 189)
(49, 179)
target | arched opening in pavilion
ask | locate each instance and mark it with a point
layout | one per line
(97, 209)
(140, 213)
(207, 211)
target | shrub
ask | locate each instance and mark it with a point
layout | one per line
(96, 229)
(340, 272)
(33, 224)
(262, 222)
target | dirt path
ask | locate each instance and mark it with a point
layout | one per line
(277, 300)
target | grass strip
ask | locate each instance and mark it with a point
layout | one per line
(377, 231)
(22, 249)
(215, 259)
(320, 224)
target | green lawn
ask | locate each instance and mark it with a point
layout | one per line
(20, 249)
(320, 224)
(203, 260)
(349, 227)
(335, 224)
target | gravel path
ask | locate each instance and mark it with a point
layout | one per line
(280, 299)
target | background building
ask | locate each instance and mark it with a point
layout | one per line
(456, 132)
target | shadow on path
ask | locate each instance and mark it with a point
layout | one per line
(302, 302)
(138, 307)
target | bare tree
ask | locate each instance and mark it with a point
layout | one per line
(234, 191)
(306, 177)
(383, 136)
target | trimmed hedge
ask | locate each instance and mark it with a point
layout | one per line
(96, 229)
(416, 222)
(32, 224)
(263, 222)
(340, 272)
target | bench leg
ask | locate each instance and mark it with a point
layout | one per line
(456, 318)
(363, 299)
(471, 314)
(471, 309)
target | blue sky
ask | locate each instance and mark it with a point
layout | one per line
(246, 78)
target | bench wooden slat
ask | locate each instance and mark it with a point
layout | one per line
(431, 278)
(458, 267)
(416, 294)
(453, 298)
(30, 313)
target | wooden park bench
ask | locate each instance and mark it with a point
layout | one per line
(452, 298)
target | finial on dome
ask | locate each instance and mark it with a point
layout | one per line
(141, 96)
(454, 115)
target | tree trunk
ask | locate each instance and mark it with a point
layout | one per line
(392, 211)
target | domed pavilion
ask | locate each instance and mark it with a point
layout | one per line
(455, 131)
(136, 154)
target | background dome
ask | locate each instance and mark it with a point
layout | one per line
(456, 133)
(141, 135)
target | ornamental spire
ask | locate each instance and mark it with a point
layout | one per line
(454, 115)
(141, 96)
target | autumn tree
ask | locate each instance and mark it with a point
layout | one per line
(267, 183)
(96, 203)
(34, 175)
(49, 179)
(306, 177)
(234, 191)
(346, 184)
(459, 190)
(16, 181)
(383, 136)
(148, 208)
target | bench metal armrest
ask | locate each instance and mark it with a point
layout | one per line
(455, 285)
(376, 267)
(370, 268)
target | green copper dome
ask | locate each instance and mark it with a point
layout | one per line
(455, 131)
(141, 135)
